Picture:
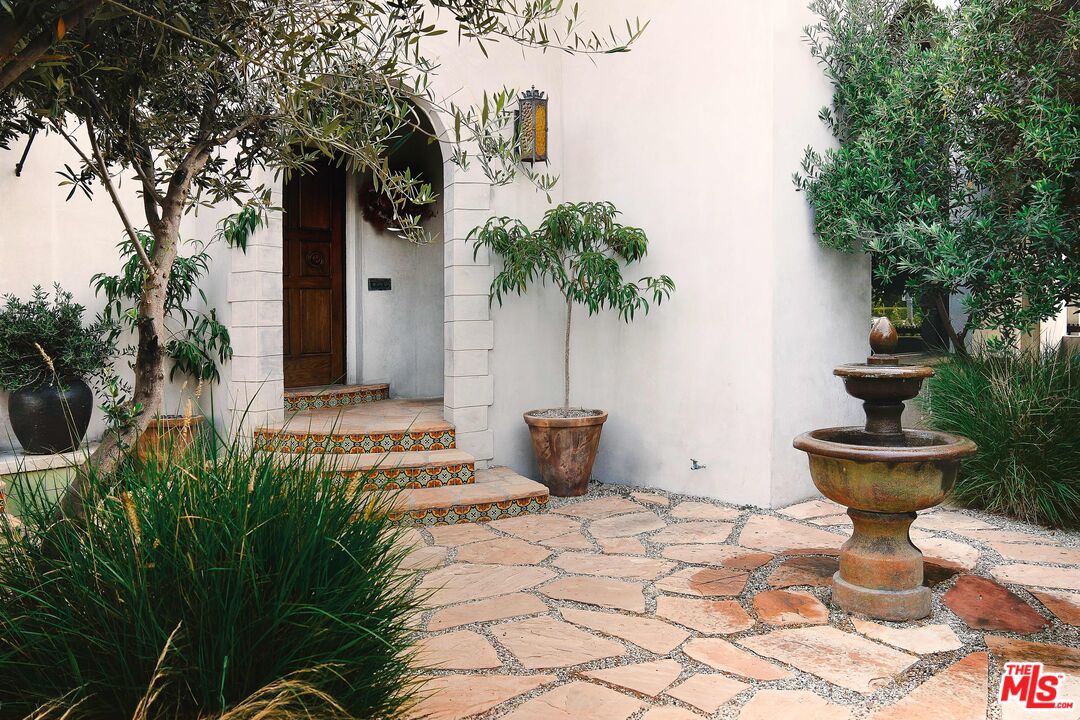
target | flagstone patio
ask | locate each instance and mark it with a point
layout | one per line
(638, 605)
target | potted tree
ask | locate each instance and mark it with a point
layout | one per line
(46, 356)
(581, 249)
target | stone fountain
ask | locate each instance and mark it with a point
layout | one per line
(883, 473)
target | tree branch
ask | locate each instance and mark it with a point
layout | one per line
(943, 313)
(13, 68)
(101, 171)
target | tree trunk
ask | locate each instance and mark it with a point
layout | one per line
(957, 338)
(566, 355)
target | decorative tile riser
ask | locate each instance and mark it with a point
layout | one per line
(324, 401)
(352, 444)
(478, 513)
(410, 478)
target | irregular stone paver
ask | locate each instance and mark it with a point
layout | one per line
(804, 570)
(649, 678)
(833, 520)
(704, 582)
(924, 640)
(1038, 576)
(503, 551)
(569, 541)
(707, 692)
(1006, 536)
(711, 617)
(790, 607)
(464, 581)
(626, 525)
(956, 693)
(1064, 605)
(802, 704)
(425, 558)
(1026, 552)
(621, 546)
(949, 552)
(703, 511)
(812, 509)
(461, 650)
(605, 592)
(984, 605)
(545, 642)
(764, 532)
(841, 658)
(496, 608)
(654, 635)
(463, 534)
(629, 568)
(536, 528)
(949, 520)
(451, 697)
(1055, 659)
(722, 655)
(696, 531)
(730, 556)
(599, 508)
(578, 701)
(670, 712)
(651, 499)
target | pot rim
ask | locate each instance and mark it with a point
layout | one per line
(951, 447)
(557, 422)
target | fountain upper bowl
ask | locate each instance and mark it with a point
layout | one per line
(855, 468)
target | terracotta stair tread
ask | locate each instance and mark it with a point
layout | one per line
(382, 460)
(378, 417)
(334, 389)
(492, 485)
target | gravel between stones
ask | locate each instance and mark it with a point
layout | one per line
(862, 705)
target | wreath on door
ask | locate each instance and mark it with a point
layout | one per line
(378, 209)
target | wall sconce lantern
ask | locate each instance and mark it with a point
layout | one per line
(531, 126)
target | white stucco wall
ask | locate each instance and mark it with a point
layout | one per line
(693, 135)
(45, 239)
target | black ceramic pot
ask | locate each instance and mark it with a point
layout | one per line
(51, 419)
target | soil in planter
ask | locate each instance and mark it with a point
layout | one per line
(564, 413)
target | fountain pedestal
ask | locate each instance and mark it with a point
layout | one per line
(884, 474)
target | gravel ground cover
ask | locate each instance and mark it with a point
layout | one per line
(636, 604)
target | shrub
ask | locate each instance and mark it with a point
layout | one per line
(217, 585)
(1023, 411)
(43, 341)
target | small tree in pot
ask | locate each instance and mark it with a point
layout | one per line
(581, 249)
(46, 356)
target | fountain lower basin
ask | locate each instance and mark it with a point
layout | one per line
(884, 474)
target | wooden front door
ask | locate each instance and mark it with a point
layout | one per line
(314, 277)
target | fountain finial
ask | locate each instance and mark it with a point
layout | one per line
(883, 337)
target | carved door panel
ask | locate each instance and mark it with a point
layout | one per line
(313, 279)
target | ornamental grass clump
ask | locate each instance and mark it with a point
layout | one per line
(216, 585)
(1023, 411)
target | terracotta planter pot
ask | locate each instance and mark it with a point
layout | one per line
(565, 450)
(169, 434)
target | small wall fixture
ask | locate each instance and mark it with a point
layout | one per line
(531, 126)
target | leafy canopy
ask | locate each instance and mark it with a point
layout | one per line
(959, 150)
(581, 249)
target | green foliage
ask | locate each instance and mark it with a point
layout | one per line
(959, 150)
(213, 585)
(581, 249)
(43, 341)
(201, 342)
(1023, 411)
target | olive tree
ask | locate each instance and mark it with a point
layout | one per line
(190, 98)
(957, 164)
